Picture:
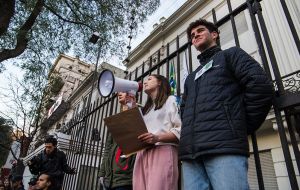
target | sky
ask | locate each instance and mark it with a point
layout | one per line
(166, 8)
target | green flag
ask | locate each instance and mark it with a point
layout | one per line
(172, 79)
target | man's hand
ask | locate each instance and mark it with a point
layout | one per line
(101, 179)
(29, 163)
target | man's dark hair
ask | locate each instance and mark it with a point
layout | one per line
(50, 179)
(32, 181)
(52, 140)
(209, 25)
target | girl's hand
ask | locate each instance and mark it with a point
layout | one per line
(149, 138)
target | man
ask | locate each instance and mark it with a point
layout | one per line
(226, 98)
(51, 161)
(32, 183)
(16, 183)
(45, 182)
(116, 172)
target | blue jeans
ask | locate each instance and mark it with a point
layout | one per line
(219, 172)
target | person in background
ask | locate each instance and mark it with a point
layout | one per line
(116, 172)
(32, 183)
(51, 161)
(226, 98)
(156, 168)
(45, 182)
(2, 187)
(17, 183)
(7, 184)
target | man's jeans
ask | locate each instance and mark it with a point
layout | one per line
(220, 172)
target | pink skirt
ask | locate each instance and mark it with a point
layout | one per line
(156, 169)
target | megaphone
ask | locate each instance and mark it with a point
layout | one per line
(108, 83)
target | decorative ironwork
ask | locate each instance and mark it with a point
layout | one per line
(291, 82)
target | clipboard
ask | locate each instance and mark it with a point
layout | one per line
(125, 127)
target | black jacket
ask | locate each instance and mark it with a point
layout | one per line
(54, 164)
(224, 104)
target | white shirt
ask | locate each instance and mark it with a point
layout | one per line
(164, 120)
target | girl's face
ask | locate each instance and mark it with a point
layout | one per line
(122, 97)
(151, 85)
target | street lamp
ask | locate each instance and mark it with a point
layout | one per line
(93, 39)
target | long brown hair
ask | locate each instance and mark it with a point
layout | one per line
(164, 91)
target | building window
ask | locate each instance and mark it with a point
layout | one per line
(71, 79)
(226, 34)
(268, 171)
(76, 110)
(85, 101)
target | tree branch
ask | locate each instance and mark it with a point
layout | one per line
(7, 11)
(22, 39)
(66, 20)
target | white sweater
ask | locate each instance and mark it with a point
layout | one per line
(164, 120)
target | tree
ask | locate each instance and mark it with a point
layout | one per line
(35, 31)
(24, 103)
(6, 139)
(24, 106)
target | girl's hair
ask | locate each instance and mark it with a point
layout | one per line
(164, 91)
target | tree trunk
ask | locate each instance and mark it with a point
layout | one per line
(7, 10)
(22, 39)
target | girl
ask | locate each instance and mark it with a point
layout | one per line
(157, 167)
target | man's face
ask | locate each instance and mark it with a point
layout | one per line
(49, 148)
(202, 38)
(42, 182)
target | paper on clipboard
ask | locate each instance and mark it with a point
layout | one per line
(125, 127)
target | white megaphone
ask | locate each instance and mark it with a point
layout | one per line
(107, 84)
